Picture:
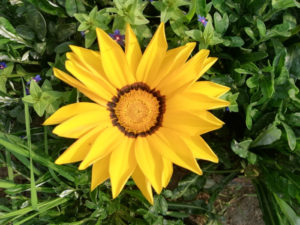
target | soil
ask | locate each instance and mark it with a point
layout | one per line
(243, 206)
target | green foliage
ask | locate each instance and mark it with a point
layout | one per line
(258, 46)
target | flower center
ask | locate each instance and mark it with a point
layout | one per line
(137, 110)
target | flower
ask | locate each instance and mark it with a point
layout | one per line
(202, 19)
(148, 111)
(118, 37)
(2, 65)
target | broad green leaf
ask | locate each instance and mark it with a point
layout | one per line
(241, 148)
(25, 32)
(291, 137)
(71, 7)
(37, 22)
(221, 23)
(267, 136)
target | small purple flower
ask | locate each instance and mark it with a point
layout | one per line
(202, 20)
(37, 78)
(118, 37)
(227, 109)
(2, 65)
(82, 33)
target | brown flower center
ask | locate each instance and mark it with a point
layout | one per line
(137, 110)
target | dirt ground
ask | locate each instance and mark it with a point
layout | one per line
(243, 207)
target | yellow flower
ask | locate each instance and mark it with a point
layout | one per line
(148, 111)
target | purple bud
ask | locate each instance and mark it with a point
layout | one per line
(2, 65)
(27, 91)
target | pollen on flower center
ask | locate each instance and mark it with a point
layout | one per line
(137, 110)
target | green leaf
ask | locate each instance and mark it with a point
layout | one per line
(284, 4)
(267, 86)
(291, 137)
(267, 204)
(43, 160)
(81, 17)
(90, 38)
(7, 25)
(287, 210)
(37, 22)
(249, 116)
(6, 184)
(234, 41)
(293, 119)
(48, 7)
(195, 34)
(29, 99)
(39, 108)
(267, 137)
(25, 32)
(221, 23)
(261, 28)
(253, 82)
(71, 7)
(201, 7)
(241, 149)
(192, 10)
(35, 90)
(250, 33)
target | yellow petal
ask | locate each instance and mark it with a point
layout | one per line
(90, 59)
(194, 101)
(191, 123)
(103, 145)
(166, 172)
(206, 66)
(114, 61)
(121, 165)
(100, 172)
(74, 58)
(143, 184)
(169, 144)
(153, 55)
(82, 88)
(150, 162)
(200, 148)
(80, 148)
(207, 88)
(175, 58)
(78, 125)
(133, 51)
(184, 76)
(68, 111)
(95, 85)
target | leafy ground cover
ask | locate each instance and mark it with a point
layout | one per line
(258, 46)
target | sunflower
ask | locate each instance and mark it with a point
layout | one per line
(148, 111)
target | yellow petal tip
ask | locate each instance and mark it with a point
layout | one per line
(83, 166)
